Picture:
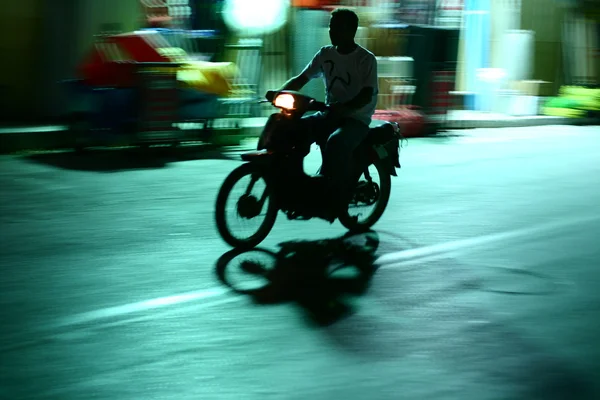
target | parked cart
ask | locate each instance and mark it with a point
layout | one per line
(123, 102)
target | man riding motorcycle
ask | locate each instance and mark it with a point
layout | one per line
(350, 75)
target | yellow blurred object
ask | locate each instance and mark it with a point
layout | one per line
(588, 99)
(214, 78)
(563, 112)
(207, 77)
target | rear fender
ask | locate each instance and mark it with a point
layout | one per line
(385, 146)
(389, 161)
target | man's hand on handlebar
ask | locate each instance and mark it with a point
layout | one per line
(318, 106)
(271, 95)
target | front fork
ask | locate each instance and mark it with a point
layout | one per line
(254, 178)
(367, 175)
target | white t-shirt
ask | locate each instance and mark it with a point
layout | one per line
(345, 75)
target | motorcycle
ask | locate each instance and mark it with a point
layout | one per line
(276, 168)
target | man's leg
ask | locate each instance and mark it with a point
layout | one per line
(318, 127)
(314, 128)
(339, 151)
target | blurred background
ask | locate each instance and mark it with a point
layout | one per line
(505, 57)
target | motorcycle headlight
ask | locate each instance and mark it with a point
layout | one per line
(285, 101)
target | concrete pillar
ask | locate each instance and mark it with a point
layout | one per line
(69, 27)
(59, 55)
(20, 41)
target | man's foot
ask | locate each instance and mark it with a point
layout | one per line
(325, 211)
(327, 214)
(331, 209)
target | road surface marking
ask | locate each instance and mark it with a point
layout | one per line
(140, 306)
(479, 241)
(404, 257)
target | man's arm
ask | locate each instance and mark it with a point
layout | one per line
(296, 83)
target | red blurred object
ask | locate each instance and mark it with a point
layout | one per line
(139, 46)
(410, 120)
(101, 69)
(314, 3)
(96, 71)
(160, 107)
(443, 83)
(452, 5)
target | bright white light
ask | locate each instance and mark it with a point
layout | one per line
(255, 17)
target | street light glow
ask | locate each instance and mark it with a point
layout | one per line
(257, 17)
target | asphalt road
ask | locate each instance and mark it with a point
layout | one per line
(481, 280)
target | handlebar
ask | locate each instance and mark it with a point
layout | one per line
(315, 105)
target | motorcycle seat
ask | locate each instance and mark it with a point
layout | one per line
(382, 134)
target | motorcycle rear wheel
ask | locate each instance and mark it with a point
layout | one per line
(221, 209)
(352, 223)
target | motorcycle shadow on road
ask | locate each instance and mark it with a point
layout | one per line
(122, 159)
(320, 276)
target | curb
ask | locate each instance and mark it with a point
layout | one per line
(59, 137)
(39, 139)
(35, 139)
(519, 123)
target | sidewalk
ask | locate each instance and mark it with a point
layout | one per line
(57, 136)
(474, 120)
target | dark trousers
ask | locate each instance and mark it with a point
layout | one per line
(338, 138)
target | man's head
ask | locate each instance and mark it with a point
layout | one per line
(342, 27)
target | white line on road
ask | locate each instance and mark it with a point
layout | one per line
(140, 306)
(211, 296)
(480, 240)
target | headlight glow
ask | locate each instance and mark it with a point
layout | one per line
(285, 101)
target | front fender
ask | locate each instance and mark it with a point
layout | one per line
(258, 157)
(275, 123)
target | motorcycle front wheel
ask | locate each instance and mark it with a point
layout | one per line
(253, 204)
